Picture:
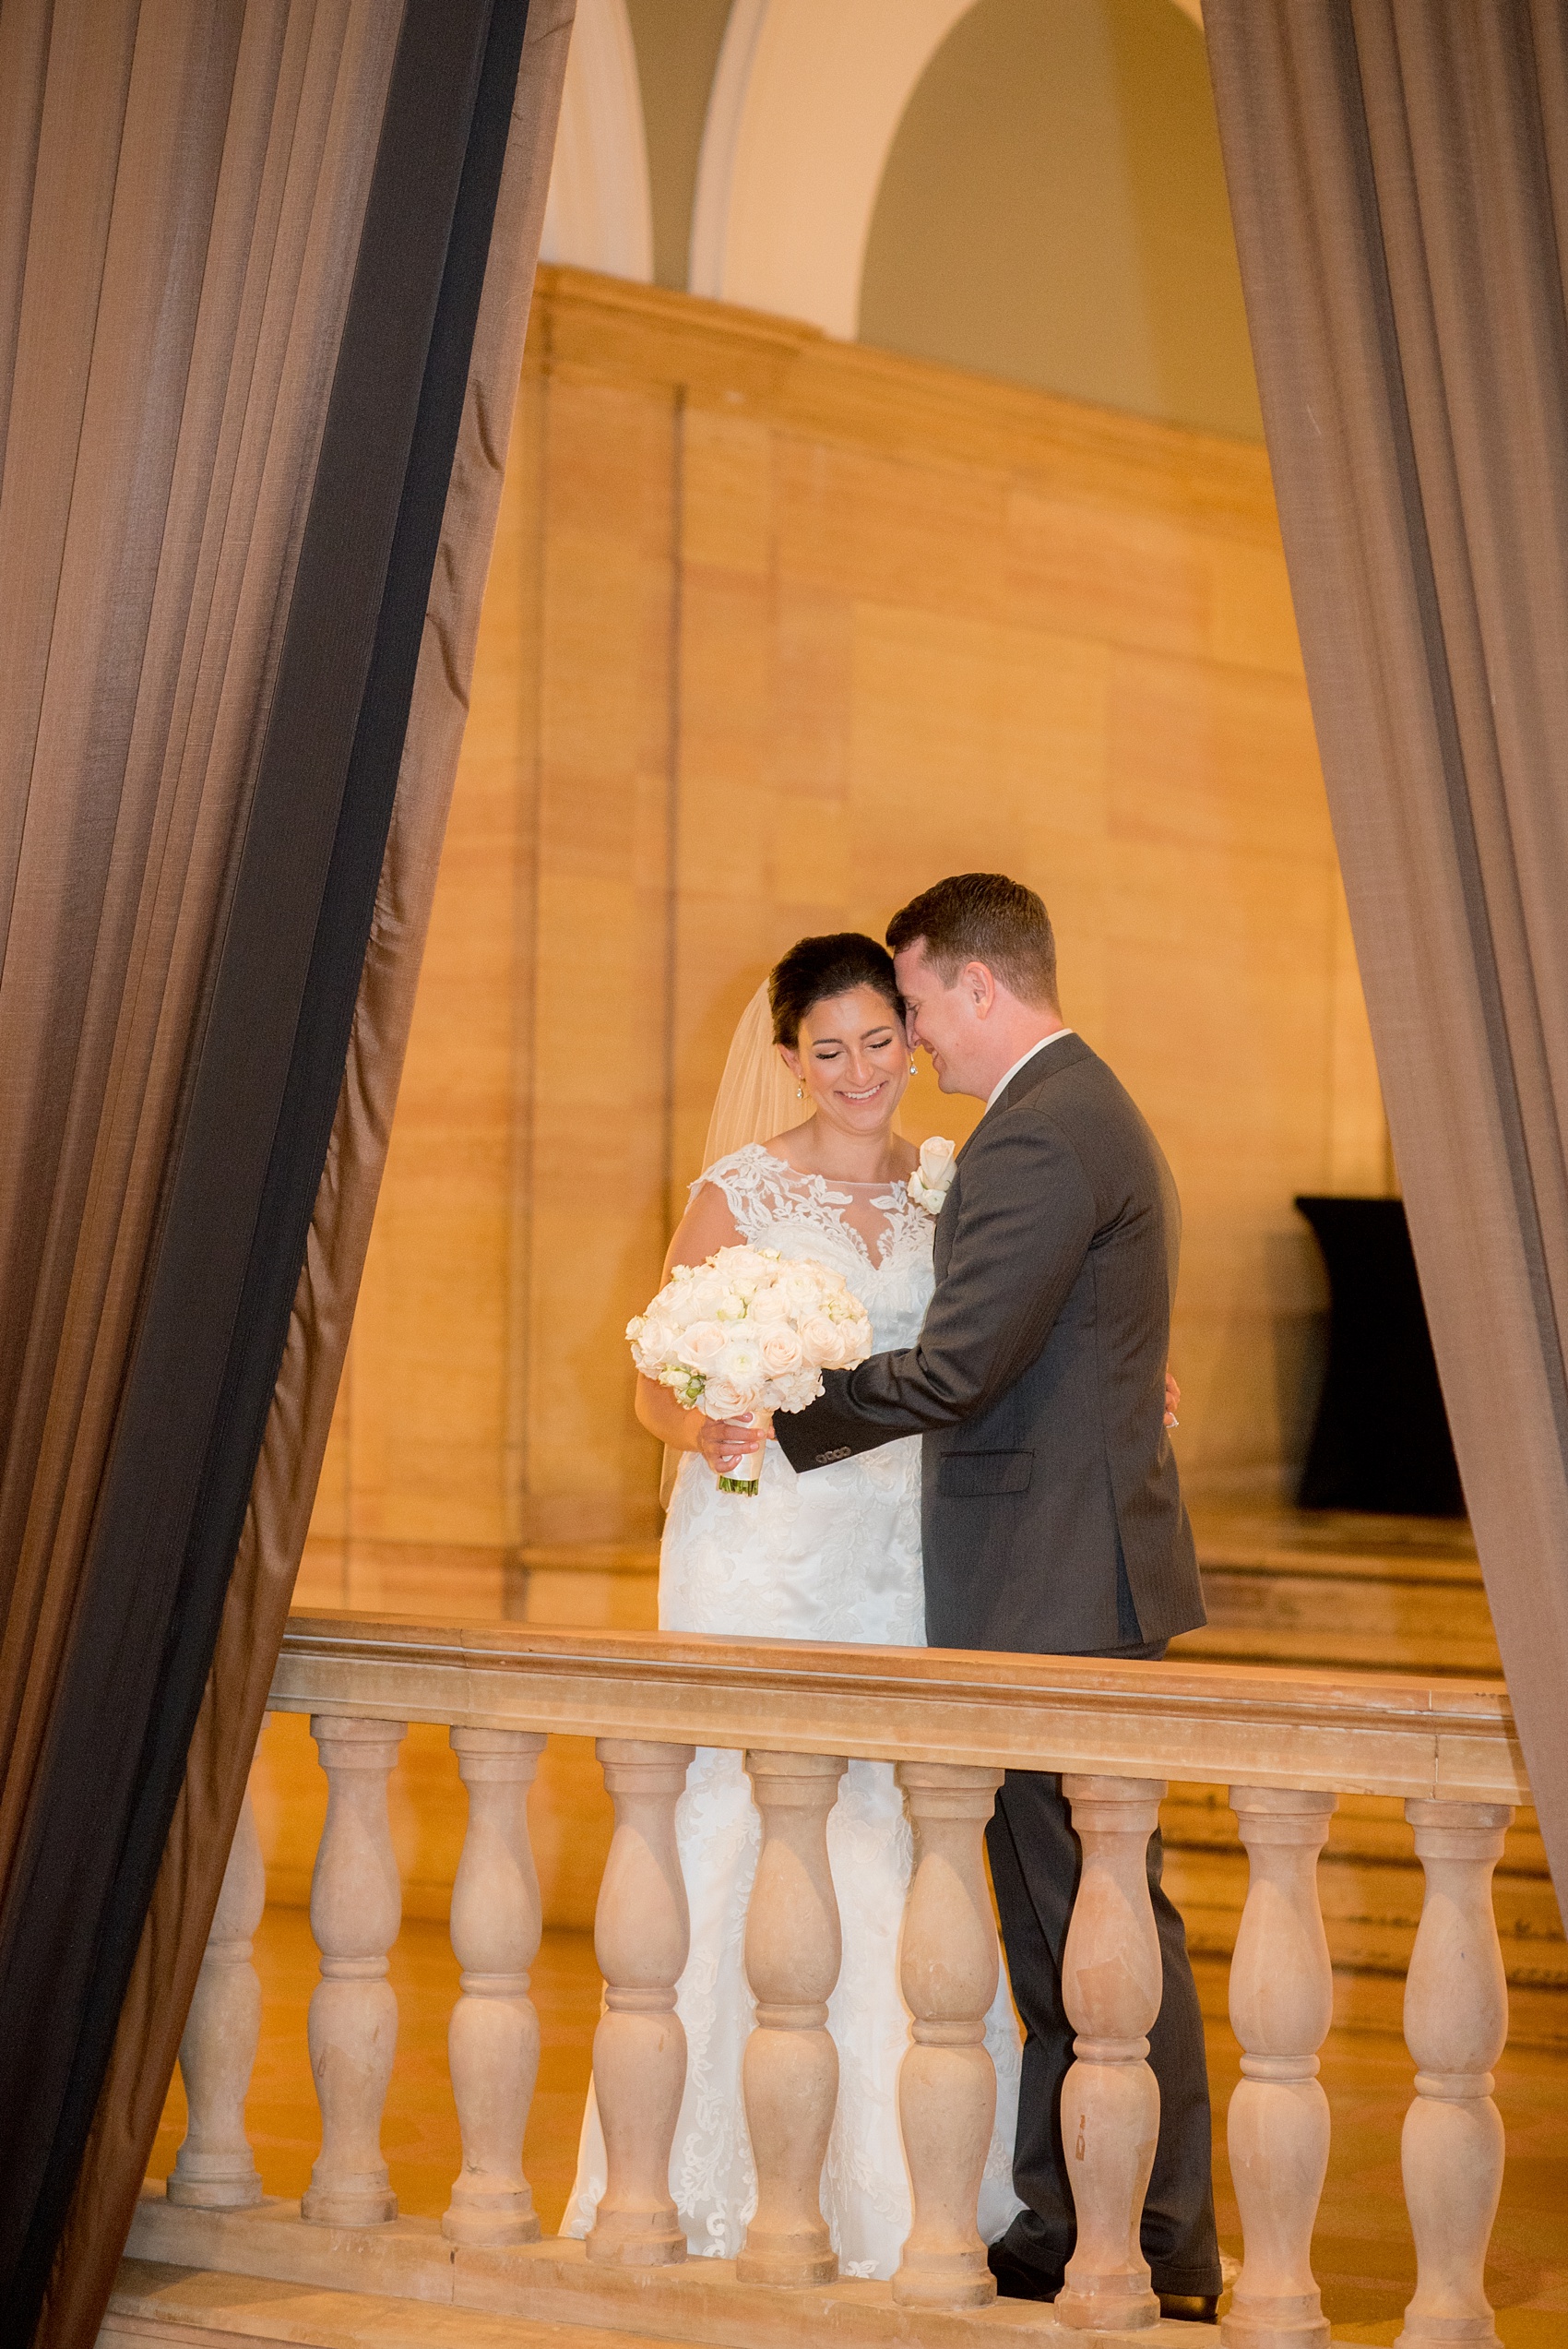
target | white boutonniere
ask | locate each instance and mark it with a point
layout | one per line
(929, 1182)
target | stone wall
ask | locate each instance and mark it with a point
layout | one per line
(779, 630)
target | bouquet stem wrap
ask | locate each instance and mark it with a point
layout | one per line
(745, 1476)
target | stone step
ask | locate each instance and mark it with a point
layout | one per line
(1326, 1587)
(1365, 1827)
(195, 2308)
(200, 2308)
(1367, 1910)
(1340, 1592)
(207, 2277)
(1370, 1888)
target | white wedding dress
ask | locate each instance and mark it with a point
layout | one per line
(832, 1556)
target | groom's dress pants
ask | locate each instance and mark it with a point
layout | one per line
(1035, 1863)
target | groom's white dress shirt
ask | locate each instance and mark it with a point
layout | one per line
(1044, 1045)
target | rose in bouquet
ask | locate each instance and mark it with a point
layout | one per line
(750, 1330)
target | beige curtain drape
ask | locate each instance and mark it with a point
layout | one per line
(1398, 174)
(181, 190)
(158, 457)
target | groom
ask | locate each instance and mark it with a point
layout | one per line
(1053, 1517)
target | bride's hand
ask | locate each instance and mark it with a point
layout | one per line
(1173, 1402)
(723, 1442)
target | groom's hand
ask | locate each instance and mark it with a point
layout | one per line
(1173, 1402)
(725, 1442)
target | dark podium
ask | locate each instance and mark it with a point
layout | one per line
(1381, 1441)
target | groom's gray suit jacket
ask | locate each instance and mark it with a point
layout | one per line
(1052, 1515)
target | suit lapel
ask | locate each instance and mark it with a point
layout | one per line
(941, 1240)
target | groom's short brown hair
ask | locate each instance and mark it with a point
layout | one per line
(983, 917)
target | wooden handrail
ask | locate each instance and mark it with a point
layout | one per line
(1374, 1733)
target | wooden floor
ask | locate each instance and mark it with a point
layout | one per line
(1353, 1594)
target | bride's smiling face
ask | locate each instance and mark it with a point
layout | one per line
(852, 1058)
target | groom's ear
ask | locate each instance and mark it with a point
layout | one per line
(979, 984)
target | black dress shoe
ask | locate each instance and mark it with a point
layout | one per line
(1194, 2307)
(1016, 2280)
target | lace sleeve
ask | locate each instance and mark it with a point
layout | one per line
(741, 1179)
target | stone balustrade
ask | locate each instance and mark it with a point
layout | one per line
(1286, 1743)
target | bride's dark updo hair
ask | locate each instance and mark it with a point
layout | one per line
(816, 969)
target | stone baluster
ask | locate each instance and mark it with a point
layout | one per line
(789, 2075)
(355, 1910)
(1111, 1982)
(213, 2169)
(641, 1932)
(1281, 2005)
(946, 2083)
(493, 2040)
(1455, 2026)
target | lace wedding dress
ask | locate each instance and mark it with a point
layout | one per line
(832, 1556)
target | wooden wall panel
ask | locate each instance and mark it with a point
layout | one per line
(419, 1452)
(779, 631)
(592, 1215)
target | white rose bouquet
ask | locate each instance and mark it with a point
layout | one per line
(749, 1331)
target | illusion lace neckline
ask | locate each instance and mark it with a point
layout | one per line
(892, 1184)
(824, 1197)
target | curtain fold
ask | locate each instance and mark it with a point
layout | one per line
(1398, 175)
(236, 212)
(277, 1516)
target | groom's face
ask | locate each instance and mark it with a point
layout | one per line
(941, 1019)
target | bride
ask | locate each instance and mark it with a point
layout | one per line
(835, 1555)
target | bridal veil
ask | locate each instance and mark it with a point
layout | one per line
(755, 1098)
(757, 1095)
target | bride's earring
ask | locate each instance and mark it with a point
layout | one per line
(912, 1069)
(799, 1092)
